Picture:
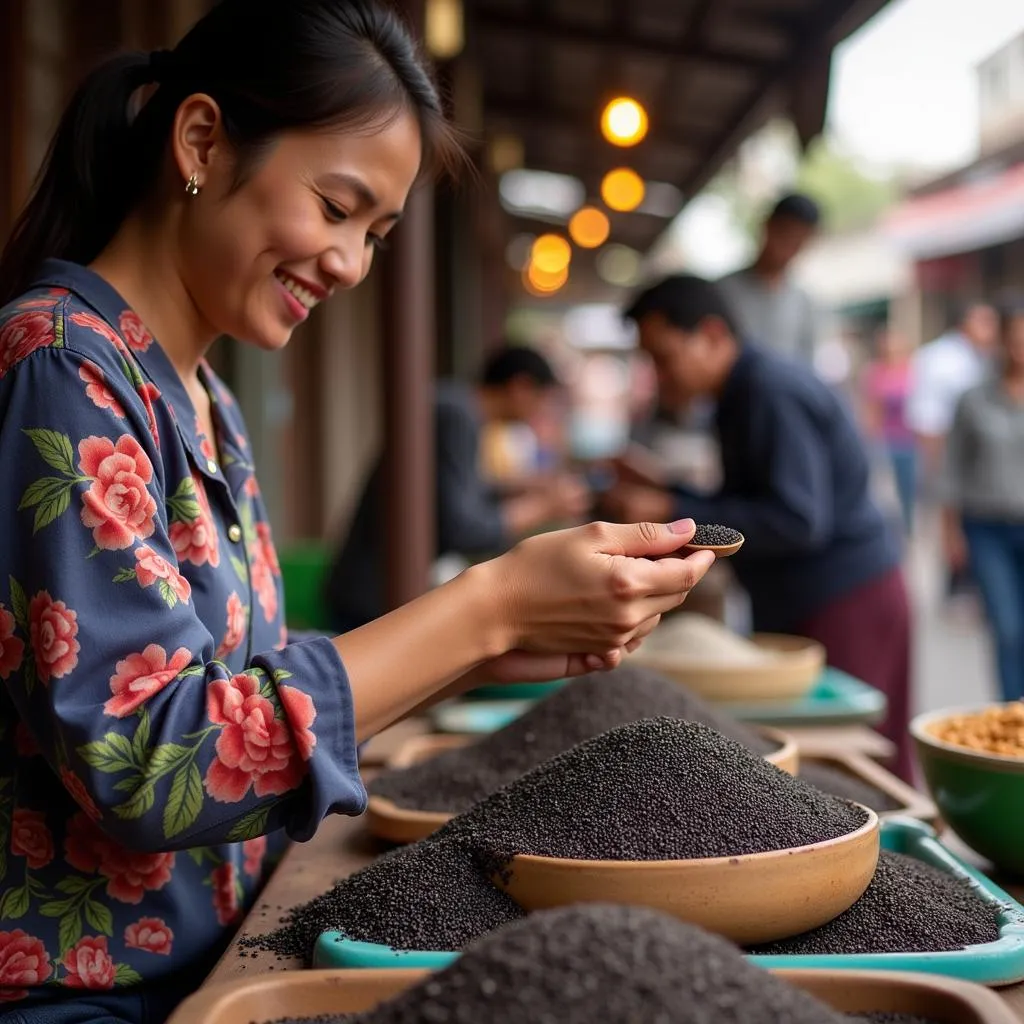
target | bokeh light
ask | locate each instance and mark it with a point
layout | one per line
(622, 190)
(589, 227)
(551, 254)
(624, 122)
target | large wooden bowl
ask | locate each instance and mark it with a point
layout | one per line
(750, 899)
(261, 1000)
(386, 820)
(797, 666)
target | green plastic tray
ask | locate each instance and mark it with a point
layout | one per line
(835, 699)
(994, 963)
(516, 691)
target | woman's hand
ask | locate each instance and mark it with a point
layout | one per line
(594, 590)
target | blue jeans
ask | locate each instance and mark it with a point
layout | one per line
(904, 471)
(997, 559)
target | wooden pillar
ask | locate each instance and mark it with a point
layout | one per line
(408, 331)
(13, 127)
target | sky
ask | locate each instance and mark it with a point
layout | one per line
(903, 87)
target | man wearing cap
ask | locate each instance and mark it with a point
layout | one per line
(768, 304)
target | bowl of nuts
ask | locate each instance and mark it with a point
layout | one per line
(973, 761)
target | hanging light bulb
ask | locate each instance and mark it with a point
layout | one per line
(624, 122)
(541, 282)
(589, 227)
(622, 190)
(443, 29)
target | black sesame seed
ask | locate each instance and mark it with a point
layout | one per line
(456, 779)
(890, 1018)
(583, 964)
(711, 535)
(849, 787)
(909, 907)
(657, 789)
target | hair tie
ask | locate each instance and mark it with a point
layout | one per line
(161, 63)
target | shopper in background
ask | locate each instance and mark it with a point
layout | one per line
(474, 518)
(984, 514)
(768, 305)
(885, 387)
(819, 560)
(940, 373)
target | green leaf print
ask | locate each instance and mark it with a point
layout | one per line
(241, 569)
(15, 903)
(124, 575)
(72, 886)
(109, 754)
(19, 604)
(28, 675)
(125, 975)
(129, 784)
(184, 503)
(140, 741)
(168, 594)
(253, 824)
(69, 931)
(165, 758)
(138, 804)
(50, 496)
(57, 908)
(55, 449)
(99, 917)
(185, 802)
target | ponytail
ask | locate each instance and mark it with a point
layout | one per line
(93, 174)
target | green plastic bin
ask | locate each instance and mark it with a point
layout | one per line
(304, 570)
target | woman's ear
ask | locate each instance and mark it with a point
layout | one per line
(197, 138)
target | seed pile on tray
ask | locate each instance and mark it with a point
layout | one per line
(890, 1018)
(909, 907)
(578, 965)
(849, 787)
(657, 789)
(712, 535)
(456, 779)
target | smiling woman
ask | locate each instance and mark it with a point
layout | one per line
(162, 732)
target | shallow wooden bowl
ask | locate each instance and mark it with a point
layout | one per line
(311, 993)
(386, 820)
(786, 677)
(750, 899)
(720, 550)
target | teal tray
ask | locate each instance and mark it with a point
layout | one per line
(516, 691)
(477, 717)
(836, 699)
(994, 963)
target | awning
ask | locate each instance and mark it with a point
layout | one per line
(974, 215)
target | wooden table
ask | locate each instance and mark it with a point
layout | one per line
(342, 846)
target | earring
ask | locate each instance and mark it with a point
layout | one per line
(192, 186)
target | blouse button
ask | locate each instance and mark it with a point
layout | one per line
(211, 466)
(234, 533)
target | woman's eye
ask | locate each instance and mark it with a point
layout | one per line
(332, 211)
(377, 242)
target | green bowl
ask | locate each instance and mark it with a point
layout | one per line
(980, 796)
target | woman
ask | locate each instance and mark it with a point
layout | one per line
(162, 733)
(984, 518)
(886, 387)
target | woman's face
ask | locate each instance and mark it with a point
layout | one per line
(1013, 341)
(304, 224)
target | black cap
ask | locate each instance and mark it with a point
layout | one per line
(797, 206)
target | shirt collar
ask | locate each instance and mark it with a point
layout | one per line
(109, 304)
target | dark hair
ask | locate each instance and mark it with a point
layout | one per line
(271, 65)
(965, 307)
(512, 361)
(1010, 309)
(684, 300)
(797, 206)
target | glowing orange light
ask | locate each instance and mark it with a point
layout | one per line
(624, 122)
(589, 227)
(541, 282)
(551, 254)
(622, 190)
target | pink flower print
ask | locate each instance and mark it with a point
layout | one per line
(235, 635)
(197, 541)
(53, 627)
(134, 331)
(30, 838)
(89, 964)
(150, 393)
(254, 850)
(141, 676)
(98, 390)
(24, 964)
(76, 787)
(225, 893)
(151, 935)
(255, 749)
(100, 326)
(11, 648)
(118, 506)
(150, 568)
(22, 334)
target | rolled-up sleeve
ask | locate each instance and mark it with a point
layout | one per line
(120, 682)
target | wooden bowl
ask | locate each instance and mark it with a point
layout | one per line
(720, 550)
(789, 676)
(261, 1000)
(749, 899)
(386, 820)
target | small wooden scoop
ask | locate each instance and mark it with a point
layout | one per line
(722, 540)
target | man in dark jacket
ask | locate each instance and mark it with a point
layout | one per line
(819, 560)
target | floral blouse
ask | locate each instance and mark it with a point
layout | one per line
(155, 724)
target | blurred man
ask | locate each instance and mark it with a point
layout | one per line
(941, 372)
(819, 560)
(472, 517)
(768, 305)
